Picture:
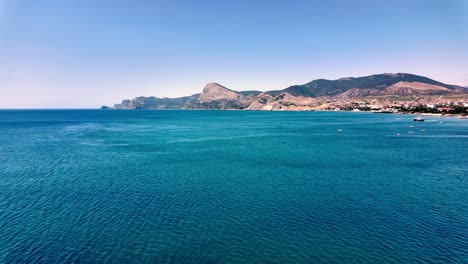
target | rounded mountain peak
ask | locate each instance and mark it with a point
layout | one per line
(215, 91)
(214, 85)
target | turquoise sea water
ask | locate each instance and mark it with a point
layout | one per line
(88, 186)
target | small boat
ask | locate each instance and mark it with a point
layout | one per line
(418, 119)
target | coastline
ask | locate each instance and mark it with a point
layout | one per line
(458, 116)
(413, 114)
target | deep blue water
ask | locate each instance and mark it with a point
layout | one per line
(89, 186)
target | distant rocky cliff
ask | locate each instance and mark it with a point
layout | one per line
(313, 95)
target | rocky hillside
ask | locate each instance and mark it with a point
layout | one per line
(213, 96)
(215, 92)
(380, 82)
(216, 96)
(157, 103)
(311, 95)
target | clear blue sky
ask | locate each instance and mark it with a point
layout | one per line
(86, 53)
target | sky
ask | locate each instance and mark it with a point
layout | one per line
(88, 53)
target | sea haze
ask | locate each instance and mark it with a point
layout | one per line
(144, 186)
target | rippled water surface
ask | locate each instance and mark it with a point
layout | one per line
(92, 186)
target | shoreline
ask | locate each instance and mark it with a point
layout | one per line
(403, 113)
(459, 116)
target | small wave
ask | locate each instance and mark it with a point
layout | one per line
(83, 127)
(104, 144)
(214, 138)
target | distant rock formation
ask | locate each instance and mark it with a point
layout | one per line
(309, 96)
(216, 96)
(215, 92)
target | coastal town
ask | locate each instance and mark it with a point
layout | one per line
(428, 107)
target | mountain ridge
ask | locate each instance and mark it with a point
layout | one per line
(306, 96)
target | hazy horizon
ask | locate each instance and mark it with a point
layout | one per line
(84, 54)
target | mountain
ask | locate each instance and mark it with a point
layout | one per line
(312, 95)
(213, 96)
(156, 103)
(380, 82)
(215, 91)
(216, 96)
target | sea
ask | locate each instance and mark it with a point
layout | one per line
(141, 186)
